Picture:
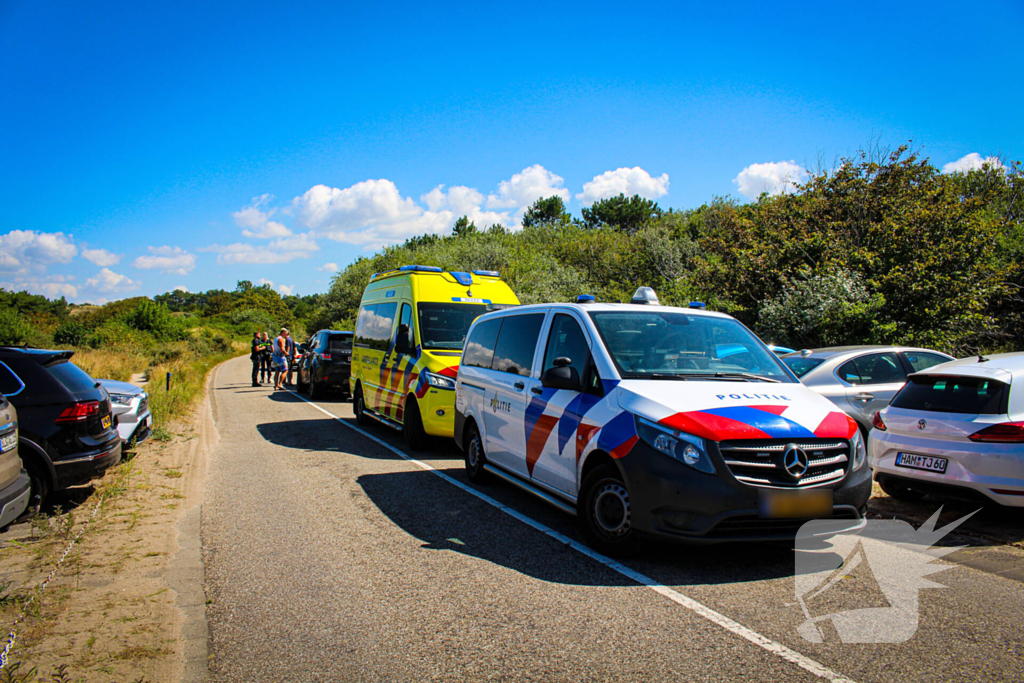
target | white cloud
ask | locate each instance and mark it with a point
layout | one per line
(329, 267)
(180, 288)
(523, 189)
(255, 222)
(174, 260)
(627, 181)
(971, 162)
(773, 177)
(279, 251)
(285, 290)
(109, 282)
(52, 286)
(265, 281)
(22, 251)
(101, 257)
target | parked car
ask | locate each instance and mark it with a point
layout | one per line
(627, 416)
(326, 363)
(66, 433)
(130, 405)
(955, 430)
(15, 487)
(860, 379)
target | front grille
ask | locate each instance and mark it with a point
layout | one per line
(758, 462)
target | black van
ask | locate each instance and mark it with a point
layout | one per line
(67, 432)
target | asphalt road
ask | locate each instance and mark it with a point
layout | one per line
(329, 557)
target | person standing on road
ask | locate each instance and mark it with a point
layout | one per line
(280, 362)
(256, 356)
(265, 353)
(289, 358)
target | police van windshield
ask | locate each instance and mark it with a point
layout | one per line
(676, 345)
(444, 326)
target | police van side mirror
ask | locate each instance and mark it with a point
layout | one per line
(561, 377)
(403, 341)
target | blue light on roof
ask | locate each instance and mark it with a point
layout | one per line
(374, 277)
(585, 299)
(698, 304)
(464, 279)
(421, 269)
(486, 273)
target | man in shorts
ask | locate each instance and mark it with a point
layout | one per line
(279, 359)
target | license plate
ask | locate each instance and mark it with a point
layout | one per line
(927, 463)
(149, 421)
(8, 441)
(106, 421)
(809, 504)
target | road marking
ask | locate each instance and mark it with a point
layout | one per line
(734, 627)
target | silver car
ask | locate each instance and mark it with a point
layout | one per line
(130, 406)
(860, 379)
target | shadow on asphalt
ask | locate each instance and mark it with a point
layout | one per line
(436, 513)
(320, 434)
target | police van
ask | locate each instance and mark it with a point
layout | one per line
(409, 334)
(654, 421)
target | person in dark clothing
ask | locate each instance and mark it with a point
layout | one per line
(256, 356)
(265, 353)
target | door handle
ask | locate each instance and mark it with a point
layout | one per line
(864, 396)
(519, 386)
(537, 390)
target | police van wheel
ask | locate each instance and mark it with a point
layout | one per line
(412, 426)
(475, 456)
(359, 408)
(604, 513)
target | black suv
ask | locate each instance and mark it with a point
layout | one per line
(327, 363)
(67, 432)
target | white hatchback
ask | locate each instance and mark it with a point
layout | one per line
(955, 430)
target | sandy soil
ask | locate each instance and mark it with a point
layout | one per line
(109, 614)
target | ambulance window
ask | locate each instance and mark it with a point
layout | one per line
(379, 327)
(566, 340)
(365, 313)
(479, 350)
(406, 318)
(516, 343)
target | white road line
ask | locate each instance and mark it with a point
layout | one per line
(734, 627)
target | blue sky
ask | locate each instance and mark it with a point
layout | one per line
(145, 146)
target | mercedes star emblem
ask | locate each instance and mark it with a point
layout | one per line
(794, 460)
(921, 424)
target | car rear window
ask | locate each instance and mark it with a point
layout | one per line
(340, 342)
(75, 379)
(801, 366)
(941, 394)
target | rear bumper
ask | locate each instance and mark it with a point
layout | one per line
(14, 499)
(81, 468)
(673, 502)
(333, 378)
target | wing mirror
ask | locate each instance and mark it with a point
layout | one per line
(561, 376)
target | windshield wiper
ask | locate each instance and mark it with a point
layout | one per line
(737, 376)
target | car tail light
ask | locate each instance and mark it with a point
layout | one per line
(1007, 432)
(877, 423)
(325, 356)
(77, 412)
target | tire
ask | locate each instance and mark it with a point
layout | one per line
(359, 408)
(315, 390)
(412, 426)
(40, 486)
(603, 512)
(899, 491)
(475, 456)
(300, 386)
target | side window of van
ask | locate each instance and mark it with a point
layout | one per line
(480, 346)
(378, 327)
(517, 340)
(566, 340)
(362, 321)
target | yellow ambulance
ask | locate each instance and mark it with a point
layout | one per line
(409, 333)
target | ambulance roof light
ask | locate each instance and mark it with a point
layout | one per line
(698, 304)
(486, 273)
(585, 299)
(421, 269)
(464, 279)
(645, 296)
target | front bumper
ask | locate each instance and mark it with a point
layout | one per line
(14, 499)
(83, 467)
(437, 408)
(673, 502)
(975, 471)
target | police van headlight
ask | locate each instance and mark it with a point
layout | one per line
(860, 450)
(439, 381)
(686, 448)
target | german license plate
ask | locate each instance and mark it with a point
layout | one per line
(809, 504)
(927, 463)
(106, 421)
(8, 441)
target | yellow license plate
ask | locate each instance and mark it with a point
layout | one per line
(807, 504)
(106, 422)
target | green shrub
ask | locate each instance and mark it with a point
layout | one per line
(71, 333)
(149, 316)
(13, 328)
